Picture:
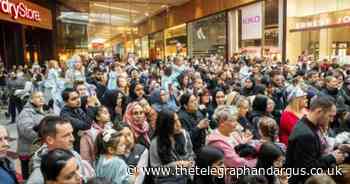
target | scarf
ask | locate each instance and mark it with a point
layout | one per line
(138, 129)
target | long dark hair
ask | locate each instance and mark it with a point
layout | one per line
(267, 155)
(165, 129)
(53, 162)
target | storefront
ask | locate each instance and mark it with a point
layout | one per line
(256, 29)
(25, 33)
(208, 36)
(156, 45)
(176, 41)
(144, 47)
(138, 48)
(318, 28)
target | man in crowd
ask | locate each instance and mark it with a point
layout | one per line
(73, 112)
(56, 133)
(304, 144)
(30, 117)
(7, 170)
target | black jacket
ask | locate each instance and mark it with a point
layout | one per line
(304, 151)
(79, 120)
(189, 122)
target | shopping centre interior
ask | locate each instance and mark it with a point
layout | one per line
(158, 29)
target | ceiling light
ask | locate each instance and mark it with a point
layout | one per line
(115, 8)
(146, 14)
(164, 6)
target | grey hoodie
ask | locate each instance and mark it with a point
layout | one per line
(37, 177)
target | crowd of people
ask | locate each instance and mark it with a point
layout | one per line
(93, 121)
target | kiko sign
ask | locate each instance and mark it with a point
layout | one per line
(252, 21)
(19, 10)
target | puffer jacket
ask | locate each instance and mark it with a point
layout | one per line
(27, 119)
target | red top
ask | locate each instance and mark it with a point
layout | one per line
(287, 123)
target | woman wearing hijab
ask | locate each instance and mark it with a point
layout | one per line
(248, 87)
(210, 157)
(262, 106)
(135, 118)
(160, 99)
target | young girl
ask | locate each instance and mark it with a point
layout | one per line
(110, 144)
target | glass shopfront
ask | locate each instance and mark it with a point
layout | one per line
(156, 45)
(318, 28)
(138, 49)
(259, 30)
(144, 47)
(208, 36)
(176, 41)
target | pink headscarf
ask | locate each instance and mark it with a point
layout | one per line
(138, 129)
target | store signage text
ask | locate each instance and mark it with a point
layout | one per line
(19, 10)
(251, 20)
(324, 22)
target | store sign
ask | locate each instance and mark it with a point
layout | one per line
(252, 22)
(325, 22)
(19, 10)
(26, 13)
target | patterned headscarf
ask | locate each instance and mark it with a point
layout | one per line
(141, 129)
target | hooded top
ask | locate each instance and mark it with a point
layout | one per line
(231, 158)
(157, 104)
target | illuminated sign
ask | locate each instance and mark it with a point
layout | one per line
(322, 22)
(19, 10)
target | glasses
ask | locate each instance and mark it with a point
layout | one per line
(138, 112)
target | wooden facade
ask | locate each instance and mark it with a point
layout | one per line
(187, 12)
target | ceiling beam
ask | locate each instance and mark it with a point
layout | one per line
(132, 2)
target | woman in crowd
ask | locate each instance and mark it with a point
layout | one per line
(161, 99)
(219, 98)
(151, 114)
(136, 155)
(249, 87)
(171, 147)
(193, 121)
(205, 103)
(243, 110)
(210, 157)
(87, 141)
(262, 106)
(112, 77)
(271, 156)
(295, 110)
(184, 83)
(136, 91)
(59, 166)
(110, 144)
(122, 83)
(268, 132)
(135, 117)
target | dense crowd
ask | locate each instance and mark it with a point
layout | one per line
(93, 121)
